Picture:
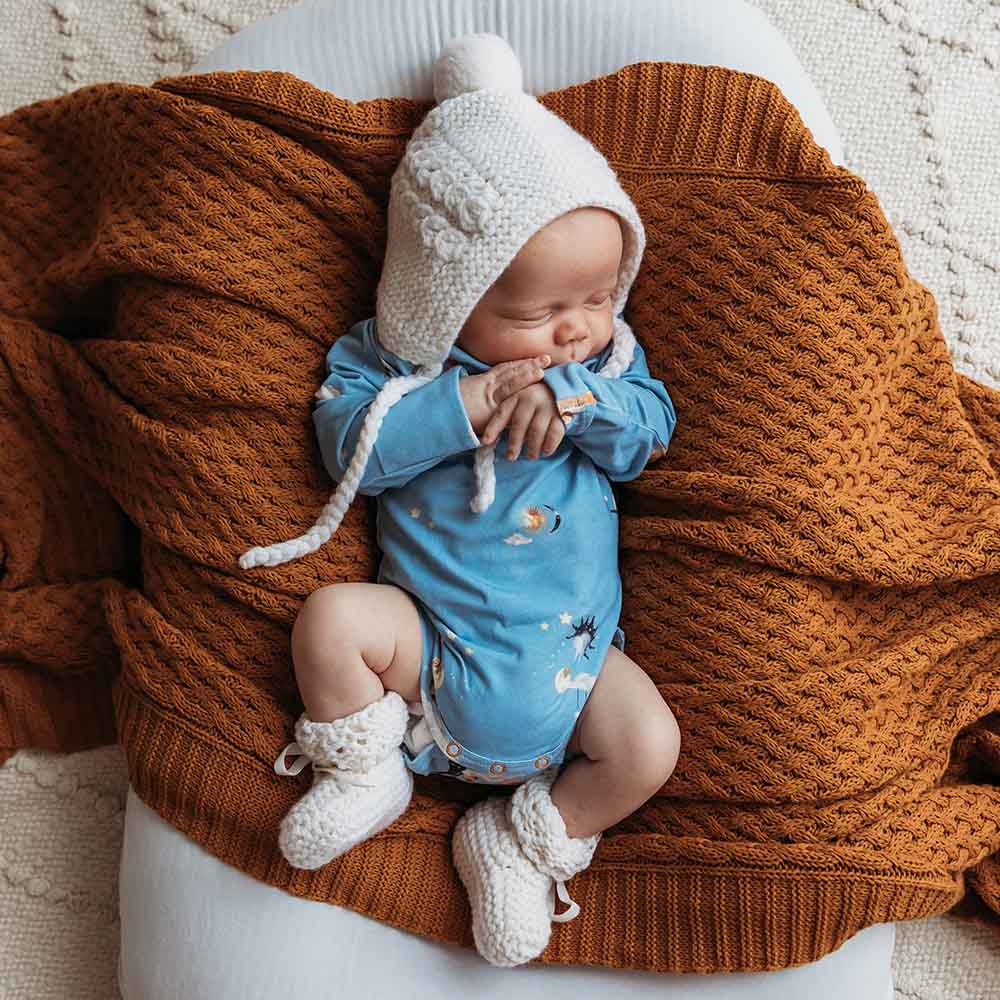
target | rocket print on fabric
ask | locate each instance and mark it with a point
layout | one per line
(583, 635)
(582, 639)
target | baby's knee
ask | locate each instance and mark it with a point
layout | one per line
(328, 616)
(317, 611)
(654, 744)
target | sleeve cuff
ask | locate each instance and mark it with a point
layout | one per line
(574, 400)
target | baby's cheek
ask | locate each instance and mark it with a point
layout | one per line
(604, 332)
(522, 344)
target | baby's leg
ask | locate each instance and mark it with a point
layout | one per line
(348, 638)
(631, 742)
(351, 643)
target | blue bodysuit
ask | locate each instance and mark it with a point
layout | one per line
(520, 603)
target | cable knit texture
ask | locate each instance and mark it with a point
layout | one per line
(360, 786)
(811, 574)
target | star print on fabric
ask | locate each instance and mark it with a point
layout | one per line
(544, 626)
(414, 512)
(565, 618)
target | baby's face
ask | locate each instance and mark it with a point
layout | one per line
(555, 297)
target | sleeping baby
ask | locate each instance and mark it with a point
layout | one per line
(488, 405)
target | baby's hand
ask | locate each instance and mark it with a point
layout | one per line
(532, 420)
(482, 394)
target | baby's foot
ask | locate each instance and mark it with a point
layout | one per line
(512, 901)
(361, 783)
(342, 810)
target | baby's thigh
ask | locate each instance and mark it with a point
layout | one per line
(376, 620)
(625, 717)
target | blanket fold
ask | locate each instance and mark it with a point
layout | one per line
(811, 573)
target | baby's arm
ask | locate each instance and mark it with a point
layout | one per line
(619, 423)
(423, 428)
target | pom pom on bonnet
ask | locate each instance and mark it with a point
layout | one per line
(487, 168)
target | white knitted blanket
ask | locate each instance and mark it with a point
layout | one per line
(914, 89)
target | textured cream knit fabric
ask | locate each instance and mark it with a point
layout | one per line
(908, 83)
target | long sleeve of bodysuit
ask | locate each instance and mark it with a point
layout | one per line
(622, 423)
(426, 426)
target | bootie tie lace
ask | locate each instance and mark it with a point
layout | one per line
(514, 858)
(360, 783)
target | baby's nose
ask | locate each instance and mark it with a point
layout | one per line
(570, 329)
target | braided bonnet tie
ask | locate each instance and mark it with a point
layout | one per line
(335, 509)
(390, 394)
(621, 358)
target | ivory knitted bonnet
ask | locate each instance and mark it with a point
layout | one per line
(486, 169)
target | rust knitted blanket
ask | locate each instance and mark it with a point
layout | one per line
(811, 573)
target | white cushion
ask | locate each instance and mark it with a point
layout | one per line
(194, 928)
(360, 49)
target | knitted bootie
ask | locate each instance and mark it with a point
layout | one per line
(513, 856)
(360, 783)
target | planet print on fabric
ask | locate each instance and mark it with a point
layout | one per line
(533, 519)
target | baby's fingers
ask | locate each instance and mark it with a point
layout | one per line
(499, 420)
(520, 375)
(537, 434)
(553, 436)
(517, 427)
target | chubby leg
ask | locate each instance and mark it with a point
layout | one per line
(351, 643)
(631, 742)
(357, 649)
(515, 855)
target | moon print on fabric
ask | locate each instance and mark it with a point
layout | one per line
(558, 518)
